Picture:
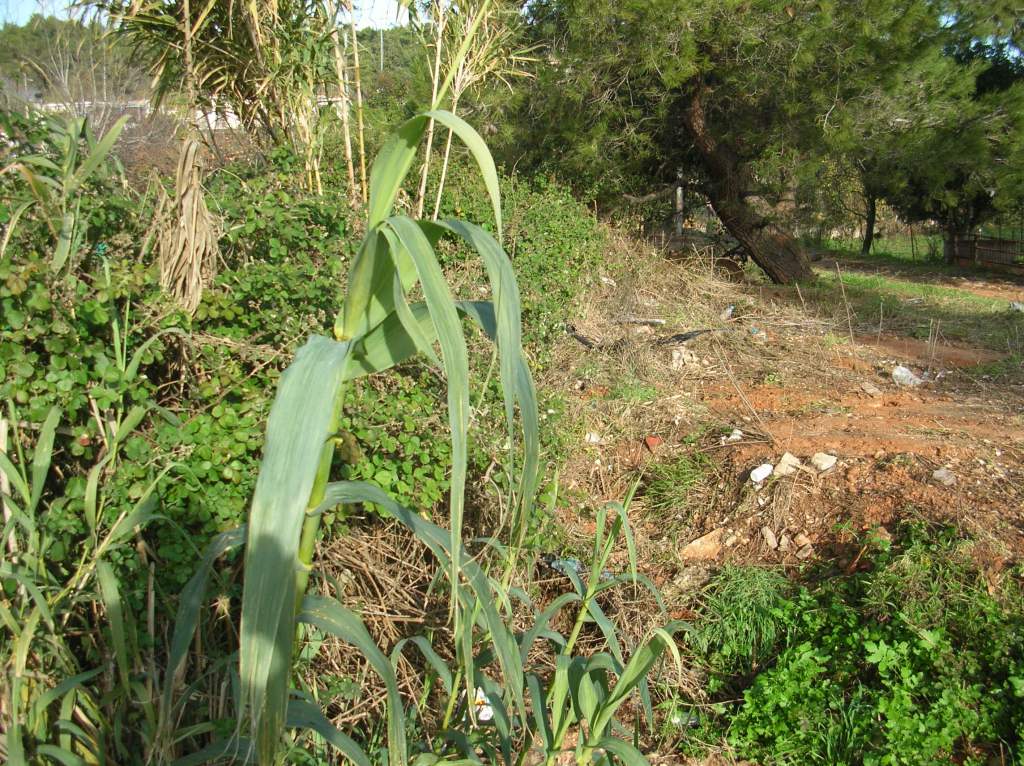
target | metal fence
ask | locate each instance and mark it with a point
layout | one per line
(986, 251)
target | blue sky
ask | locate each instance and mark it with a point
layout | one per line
(371, 13)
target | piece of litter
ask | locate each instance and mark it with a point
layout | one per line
(903, 376)
(593, 438)
(761, 473)
(726, 315)
(482, 706)
(788, 464)
(1017, 306)
(609, 281)
(944, 476)
(823, 461)
(769, 538)
(735, 436)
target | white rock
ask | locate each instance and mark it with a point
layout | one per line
(769, 538)
(761, 473)
(806, 552)
(788, 465)
(704, 548)
(944, 476)
(823, 461)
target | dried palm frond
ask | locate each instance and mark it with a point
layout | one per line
(187, 233)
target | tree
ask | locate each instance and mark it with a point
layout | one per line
(934, 131)
(742, 95)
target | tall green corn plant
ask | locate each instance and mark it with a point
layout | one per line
(55, 181)
(68, 685)
(376, 329)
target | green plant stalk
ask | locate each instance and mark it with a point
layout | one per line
(311, 524)
(460, 55)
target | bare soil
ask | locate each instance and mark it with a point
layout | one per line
(791, 381)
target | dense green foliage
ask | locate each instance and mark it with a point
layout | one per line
(916, 659)
(135, 431)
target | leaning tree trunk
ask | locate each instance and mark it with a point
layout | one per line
(773, 249)
(869, 224)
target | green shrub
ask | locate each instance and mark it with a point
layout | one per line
(912, 662)
(555, 244)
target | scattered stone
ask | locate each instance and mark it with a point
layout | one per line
(681, 357)
(823, 461)
(788, 465)
(944, 476)
(802, 540)
(805, 553)
(785, 543)
(731, 541)
(593, 438)
(902, 376)
(609, 282)
(769, 538)
(704, 548)
(761, 473)
(870, 388)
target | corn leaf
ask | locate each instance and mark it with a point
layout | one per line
(391, 166)
(478, 148)
(456, 364)
(331, 617)
(302, 419)
(189, 604)
(516, 381)
(111, 595)
(624, 751)
(96, 156)
(306, 715)
(438, 540)
(41, 457)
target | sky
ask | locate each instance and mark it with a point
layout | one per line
(369, 13)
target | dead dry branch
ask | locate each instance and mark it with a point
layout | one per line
(186, 233)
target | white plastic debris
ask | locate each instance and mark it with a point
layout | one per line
(726, 315)
(735, 436)
(1017, 306)
(609, 282)
(944, 476)
(823, 461)
(482, 705)
(593, 438)
(903, 376)
(761, 473)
